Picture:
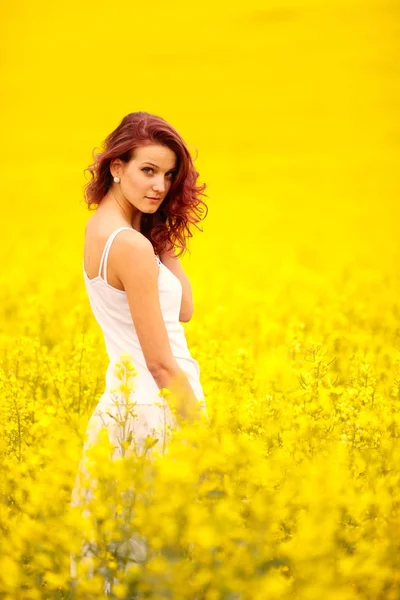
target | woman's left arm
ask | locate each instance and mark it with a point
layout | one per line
(171, 261)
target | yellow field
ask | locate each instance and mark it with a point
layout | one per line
(291, 108)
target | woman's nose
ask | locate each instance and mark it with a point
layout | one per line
(159, 184)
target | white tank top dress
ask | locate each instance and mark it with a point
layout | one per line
(111, 310)
(150, 415)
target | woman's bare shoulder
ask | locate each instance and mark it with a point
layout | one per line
(126, 243)
(99, 228)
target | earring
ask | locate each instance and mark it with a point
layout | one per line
(117, 179)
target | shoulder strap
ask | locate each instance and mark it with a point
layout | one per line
(106, 251)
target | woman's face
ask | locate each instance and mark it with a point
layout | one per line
(147, 178)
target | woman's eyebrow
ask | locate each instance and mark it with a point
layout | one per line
(147, 162)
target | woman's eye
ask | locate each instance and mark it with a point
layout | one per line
(170, 174)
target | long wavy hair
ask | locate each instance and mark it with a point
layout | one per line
(169, 226)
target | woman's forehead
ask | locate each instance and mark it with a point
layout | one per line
(155, 152)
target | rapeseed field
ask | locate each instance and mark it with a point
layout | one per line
(291, 488)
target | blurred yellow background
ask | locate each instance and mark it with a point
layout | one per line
(292, 106)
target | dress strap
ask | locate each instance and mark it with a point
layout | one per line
(106, 251)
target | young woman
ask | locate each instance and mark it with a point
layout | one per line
(144, 187)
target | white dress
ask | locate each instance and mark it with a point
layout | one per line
(111, 310)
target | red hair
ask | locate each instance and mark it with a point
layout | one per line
(169, 226)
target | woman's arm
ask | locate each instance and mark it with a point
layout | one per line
(132, 257)
(171, 261)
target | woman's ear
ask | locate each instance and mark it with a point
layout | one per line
(115, 167)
